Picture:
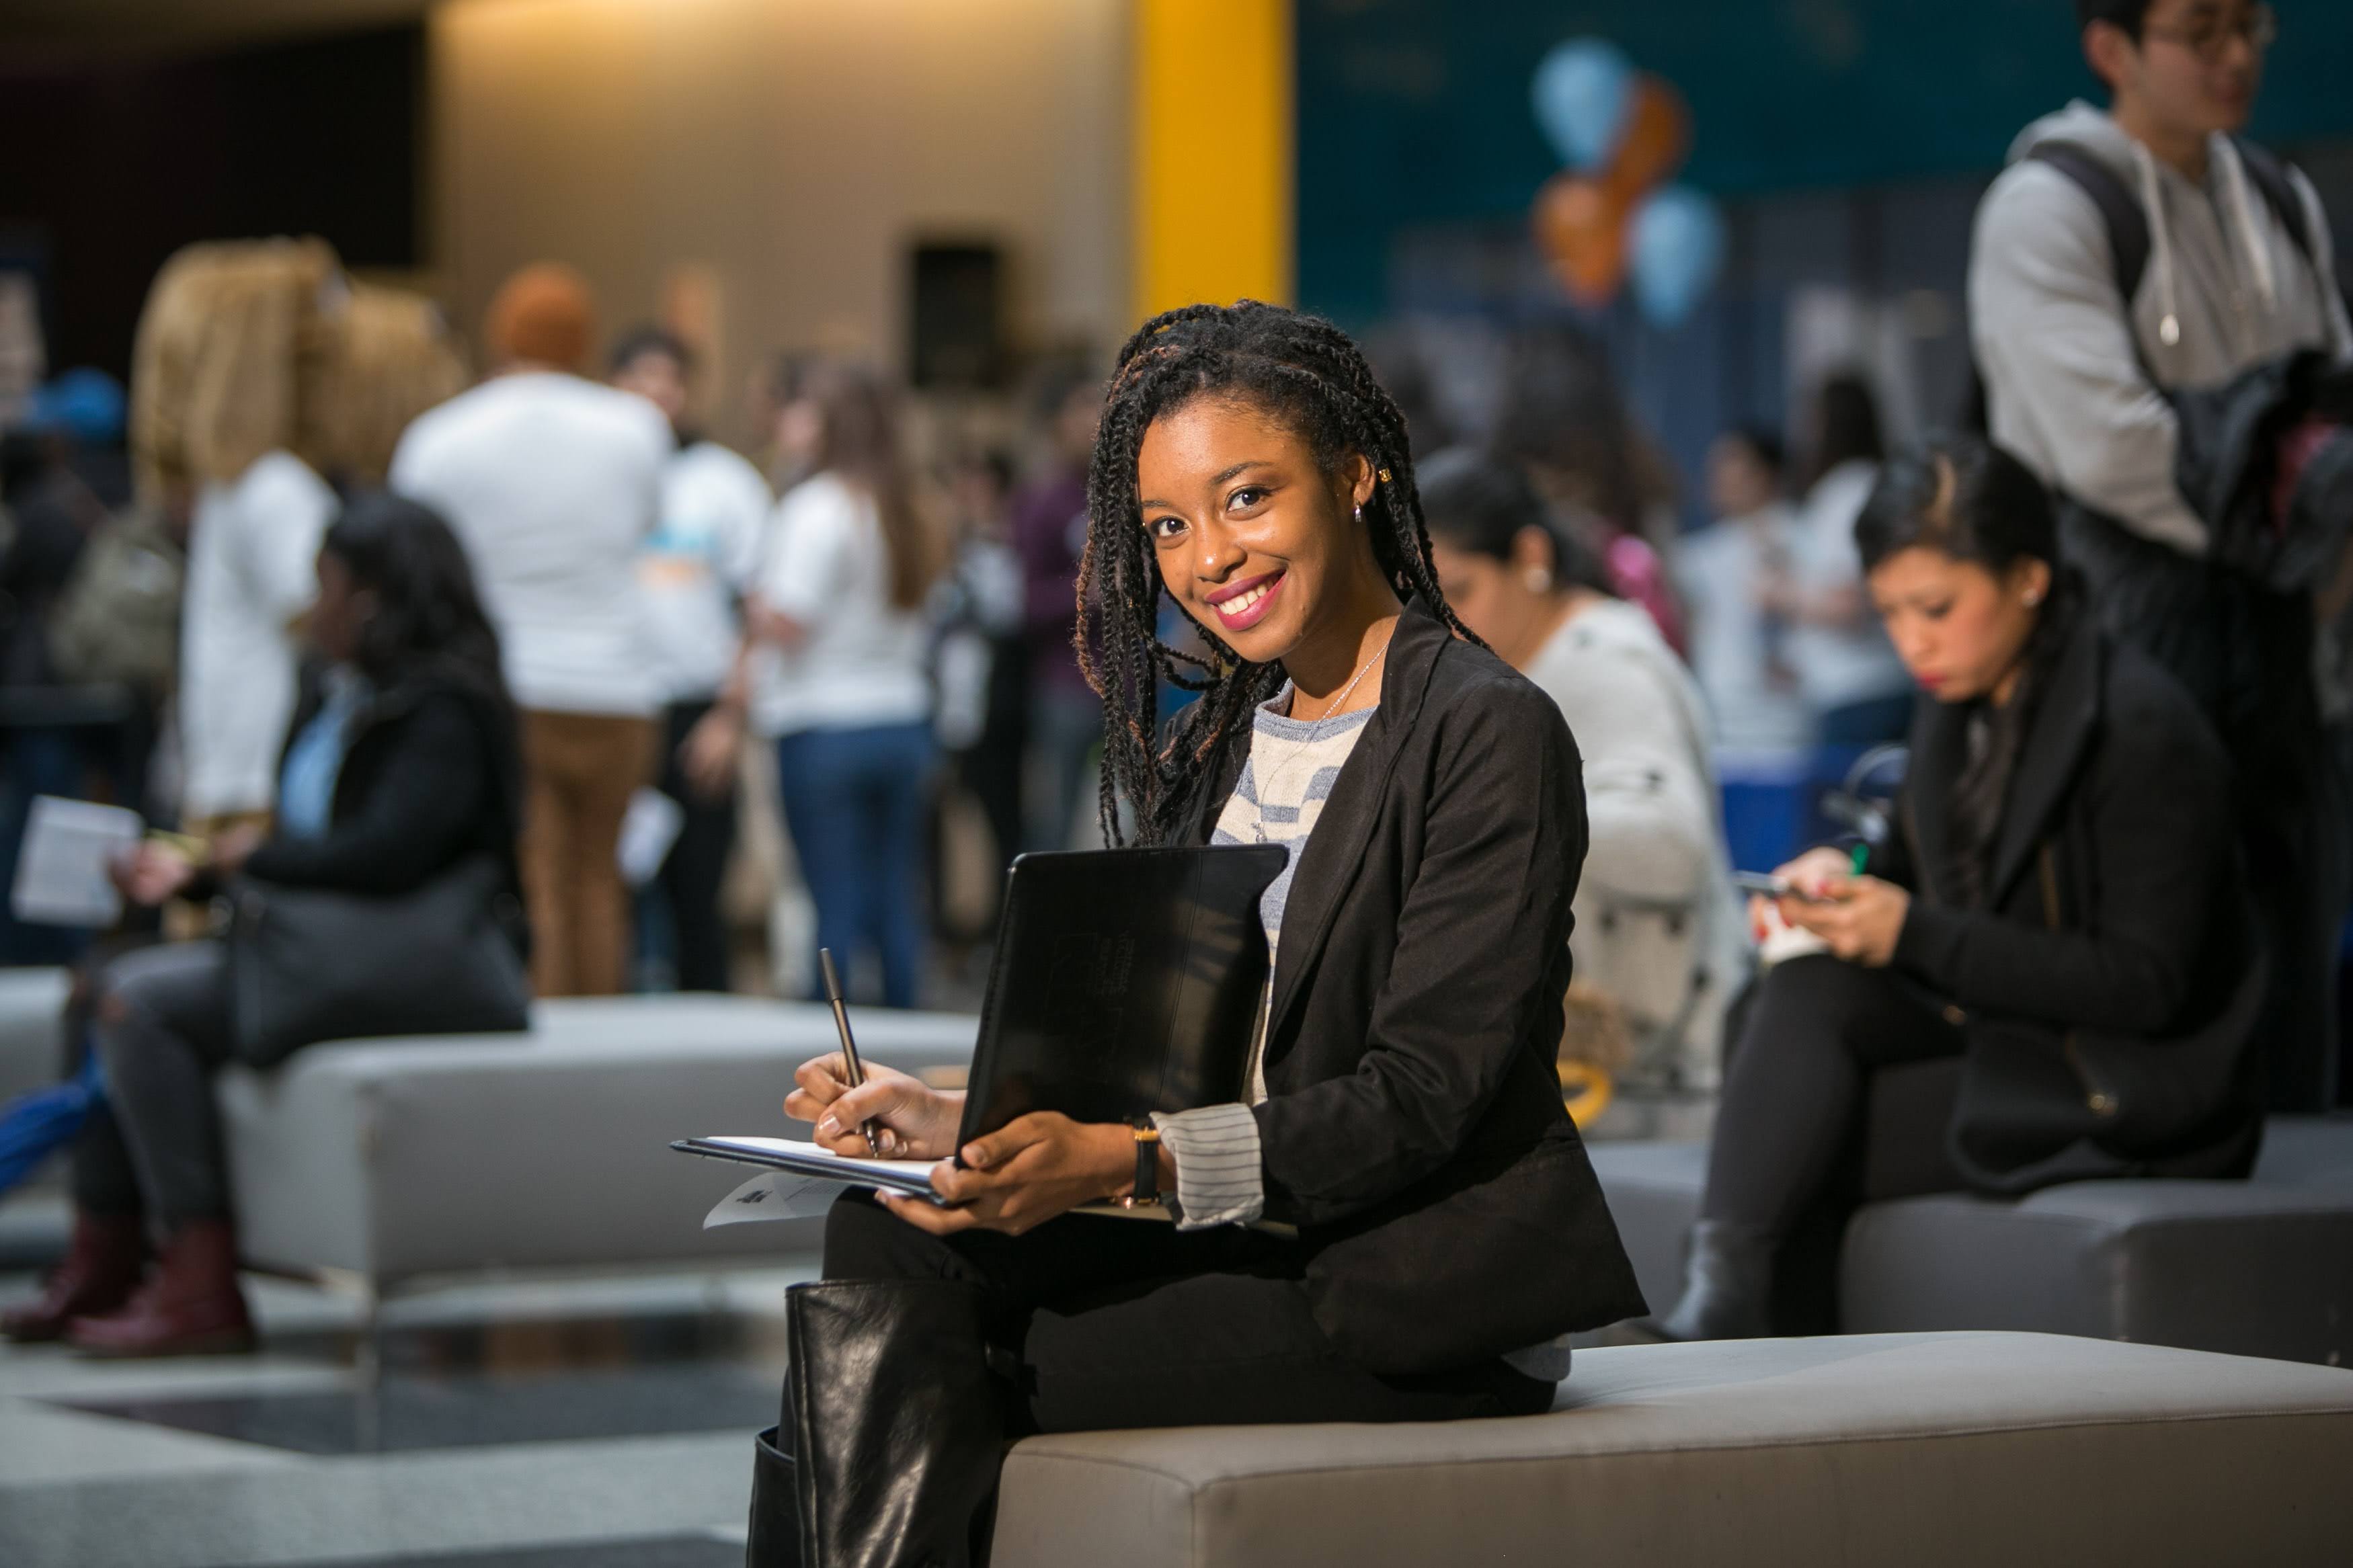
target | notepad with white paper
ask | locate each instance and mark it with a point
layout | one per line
(801, 1180)
(910, 1176)
(61, 870)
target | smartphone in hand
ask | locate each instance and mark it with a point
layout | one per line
(1770, 887)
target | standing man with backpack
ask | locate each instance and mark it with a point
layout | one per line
(2127, 270)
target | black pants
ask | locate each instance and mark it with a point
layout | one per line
(1124, 1323)
(1789, 1128)
(161, 1030)
(691, 877)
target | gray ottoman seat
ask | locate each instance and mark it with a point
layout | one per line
(2263, 1267)
(379, 1161)
(1921, 1450)
(32, 1002)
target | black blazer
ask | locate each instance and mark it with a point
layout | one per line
(432, 775)
(1414, 1130)
(2108, 988)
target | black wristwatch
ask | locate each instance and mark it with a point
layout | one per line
(1146, 1191)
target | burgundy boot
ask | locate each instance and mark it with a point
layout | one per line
(101, 1270)
(189, 1306)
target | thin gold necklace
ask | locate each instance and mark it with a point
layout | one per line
(1362, 671)
(1299, 749)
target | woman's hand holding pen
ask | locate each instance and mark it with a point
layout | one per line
(912, 1120)
(1035, 1168)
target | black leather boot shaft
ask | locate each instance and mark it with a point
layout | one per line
(775, 1540)
(896, 1425)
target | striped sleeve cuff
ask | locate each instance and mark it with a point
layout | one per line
(1218, 1179)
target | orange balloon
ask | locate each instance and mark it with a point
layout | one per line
(1656, 139)
(1580, 224)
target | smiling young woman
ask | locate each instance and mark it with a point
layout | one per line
(1401, 1116)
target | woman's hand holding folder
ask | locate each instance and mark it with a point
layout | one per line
(1035, 1168)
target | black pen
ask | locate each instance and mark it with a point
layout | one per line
(852, 1069)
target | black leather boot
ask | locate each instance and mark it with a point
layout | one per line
(896, 1423)
(775, 1537)
(1727, 1286)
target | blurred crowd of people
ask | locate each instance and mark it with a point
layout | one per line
(880, 613)
(886, 626)
(358, 625)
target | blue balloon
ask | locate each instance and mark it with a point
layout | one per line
(1676, 251)
(87, 404)
(1582, 92)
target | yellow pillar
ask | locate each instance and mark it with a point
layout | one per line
(1212, 140)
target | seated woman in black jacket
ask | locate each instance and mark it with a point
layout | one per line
(1403, 1110)
(400, 763)
(2058, 905)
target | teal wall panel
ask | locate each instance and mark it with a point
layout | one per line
(1415, 112)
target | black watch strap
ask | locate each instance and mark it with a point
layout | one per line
(1147, 1164)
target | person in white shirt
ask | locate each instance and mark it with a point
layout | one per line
(694, 572)
(253, 550)
(842, 684)
(1738, 648)
(553, 482)
(1658, 928)
(1846, 667)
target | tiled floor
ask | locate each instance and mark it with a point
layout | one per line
(590, 1423)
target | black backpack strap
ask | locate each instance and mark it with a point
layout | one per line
(2120, 210)
(2270, 176)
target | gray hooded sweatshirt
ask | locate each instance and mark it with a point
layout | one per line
(2064, 389)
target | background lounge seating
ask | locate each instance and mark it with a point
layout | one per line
(372, 1165)
(2263, 1267)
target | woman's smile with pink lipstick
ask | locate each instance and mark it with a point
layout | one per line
(1241, 605)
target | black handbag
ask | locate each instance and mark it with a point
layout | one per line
(307, 964)
(2039, 1104)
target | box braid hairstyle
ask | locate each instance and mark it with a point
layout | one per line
(1304, 370)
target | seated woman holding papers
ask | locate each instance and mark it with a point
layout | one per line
(400, 771)
(1401, 1110)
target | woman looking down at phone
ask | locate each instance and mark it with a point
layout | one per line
(1402, 1110)
(2057, 906)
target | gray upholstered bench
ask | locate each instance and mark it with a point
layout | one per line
(2263, 1267)
(32, 1002)
(375, 1164)
(1921, 1450)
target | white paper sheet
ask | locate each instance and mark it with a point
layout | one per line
(61, 870)
(775, 1195)
(851, 1168)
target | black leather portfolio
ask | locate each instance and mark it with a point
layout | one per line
(1123, 982)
